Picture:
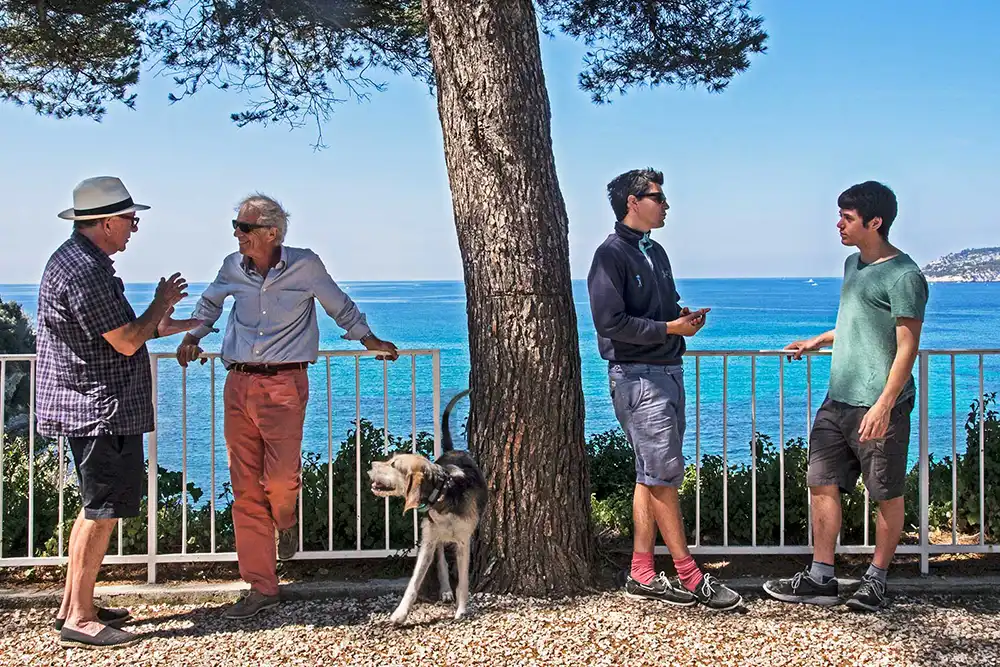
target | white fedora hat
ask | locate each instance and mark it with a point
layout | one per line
(100, 197)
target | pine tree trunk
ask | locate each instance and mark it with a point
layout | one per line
(526, 421)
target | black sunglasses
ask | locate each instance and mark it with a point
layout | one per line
(247, 227)
(658, 197)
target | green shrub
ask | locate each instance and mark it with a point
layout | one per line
(316, 474)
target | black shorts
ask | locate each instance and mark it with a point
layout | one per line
(837, 456)
(111, 470)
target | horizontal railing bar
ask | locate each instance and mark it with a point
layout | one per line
(693, 353)
(719, 550)
(322, 353)
(230, 556)
(140, 559)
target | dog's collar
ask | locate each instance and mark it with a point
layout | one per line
(436, 494)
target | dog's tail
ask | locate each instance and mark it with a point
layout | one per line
(446, 443)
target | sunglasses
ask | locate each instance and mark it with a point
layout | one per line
(134, 222)
(658, 197)
(247, 227)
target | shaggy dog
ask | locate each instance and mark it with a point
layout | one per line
(451, 494)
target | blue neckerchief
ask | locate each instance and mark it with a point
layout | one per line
(645, 243)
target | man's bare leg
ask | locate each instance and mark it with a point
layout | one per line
(67, 594)
(643, 520)
(826, 516)
(888, 528)
(666, 506)
(86, 555)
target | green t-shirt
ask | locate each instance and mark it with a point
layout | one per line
(872, 297)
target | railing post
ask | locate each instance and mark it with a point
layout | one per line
(924, 465)
(436, 380)
(152, 497)
(3, 438)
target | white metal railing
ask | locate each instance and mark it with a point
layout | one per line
(151, 558)
(703, 440)
(924, 388)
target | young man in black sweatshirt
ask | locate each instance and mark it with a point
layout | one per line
(640, 332)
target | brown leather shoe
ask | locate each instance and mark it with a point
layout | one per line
(250, 604)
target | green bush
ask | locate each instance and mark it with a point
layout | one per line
(16, 337)
(316, 474)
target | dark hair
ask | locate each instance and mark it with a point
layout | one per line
(633, 183)
(871, 200)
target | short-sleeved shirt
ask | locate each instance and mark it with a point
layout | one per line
(84, 386)
(872, 298)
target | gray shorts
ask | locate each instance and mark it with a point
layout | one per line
(649, 404)
(838, 458)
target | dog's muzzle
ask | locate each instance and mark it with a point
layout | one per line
(380, 487)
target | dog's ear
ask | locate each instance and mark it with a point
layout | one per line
(413, 482)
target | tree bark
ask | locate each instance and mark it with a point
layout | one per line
(526, 419)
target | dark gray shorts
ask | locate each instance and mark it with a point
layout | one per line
(111, 470)
(649, 404)
(837, 457)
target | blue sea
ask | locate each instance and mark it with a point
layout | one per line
(747, 314)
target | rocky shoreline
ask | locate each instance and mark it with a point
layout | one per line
(973, 265)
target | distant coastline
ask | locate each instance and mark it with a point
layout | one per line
(972, 265)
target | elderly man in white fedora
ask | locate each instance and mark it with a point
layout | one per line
(94, 387)
(271, 338)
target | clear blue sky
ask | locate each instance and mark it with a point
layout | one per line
(907, 92)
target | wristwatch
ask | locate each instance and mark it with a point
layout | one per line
(366, 337)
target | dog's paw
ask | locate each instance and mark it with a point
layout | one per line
(447, 596)
(399, 616)
(461, 614)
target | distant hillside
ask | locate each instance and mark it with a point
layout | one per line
(974, 265)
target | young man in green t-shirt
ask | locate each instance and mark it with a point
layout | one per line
(863, 426)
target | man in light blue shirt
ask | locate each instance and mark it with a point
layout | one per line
(271, 337)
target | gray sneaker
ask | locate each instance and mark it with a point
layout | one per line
(288, 543)
(250, 604)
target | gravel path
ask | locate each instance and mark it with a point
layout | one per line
(596, 630)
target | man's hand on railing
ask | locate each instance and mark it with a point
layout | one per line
(189, 350)
(800, 347)
(376, 344)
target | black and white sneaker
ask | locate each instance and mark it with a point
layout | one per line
(803, 589)
(715, 595)
(660, 588)
(870, 596)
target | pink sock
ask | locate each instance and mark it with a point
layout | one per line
(689, 573)
(642, 567)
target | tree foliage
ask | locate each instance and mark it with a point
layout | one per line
(294, 61)
(71, 58)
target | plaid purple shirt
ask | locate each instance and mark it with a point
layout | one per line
(84, 387)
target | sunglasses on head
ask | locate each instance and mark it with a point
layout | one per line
(247, 227)
(658, 197)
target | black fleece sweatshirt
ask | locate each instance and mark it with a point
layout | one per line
(632, 297)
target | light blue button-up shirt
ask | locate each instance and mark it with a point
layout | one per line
(273, 319)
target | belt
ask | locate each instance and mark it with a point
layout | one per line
(659, 362)
(268, 369)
